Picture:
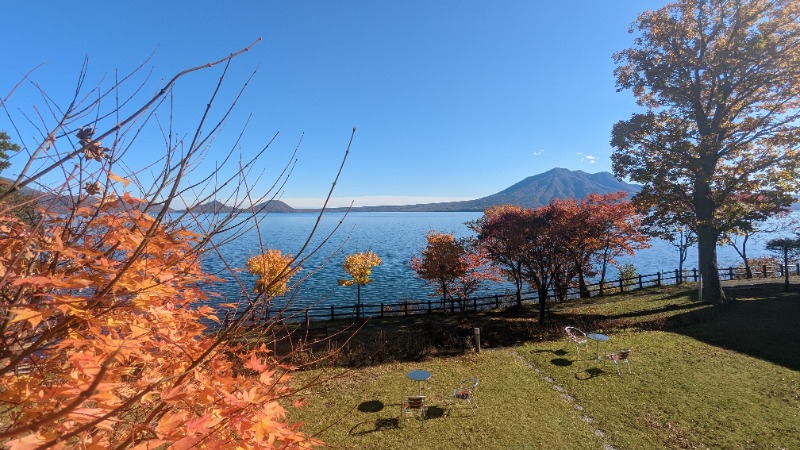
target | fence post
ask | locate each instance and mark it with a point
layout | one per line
(381, 309)
(496, 301)
(765, 270)
(405, 307)
(333, 315)
(730, 273)
(658, 281)
(694, 273)
(621, 284)
(798, 268)
(640, 282)
(678, 277)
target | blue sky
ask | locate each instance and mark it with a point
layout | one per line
(451, 99)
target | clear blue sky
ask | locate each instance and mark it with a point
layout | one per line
(451, 99)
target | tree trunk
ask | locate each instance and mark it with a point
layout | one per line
(785, 270)
(709, 271)
(542, 303)
(518, 282)
(584, 290)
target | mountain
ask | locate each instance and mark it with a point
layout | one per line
(274, 206)
(269, 206)
(532, 192)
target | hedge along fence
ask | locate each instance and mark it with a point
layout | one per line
(501, 301)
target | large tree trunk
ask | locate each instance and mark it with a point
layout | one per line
(707, 234)
(582, 287)
(709, 271)
(542, 303)
(518, 283)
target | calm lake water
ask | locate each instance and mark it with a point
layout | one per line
(395, 237)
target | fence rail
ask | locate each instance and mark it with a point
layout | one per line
(499, 301)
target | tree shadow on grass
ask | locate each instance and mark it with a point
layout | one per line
(765, 326)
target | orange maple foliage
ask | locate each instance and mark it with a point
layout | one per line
(456, 266)
(104, 342)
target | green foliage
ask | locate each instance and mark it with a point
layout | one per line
(6, 146)
(627, 273)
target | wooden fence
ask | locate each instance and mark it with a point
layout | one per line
(499, 301)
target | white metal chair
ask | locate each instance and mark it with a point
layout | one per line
(620, 357)
(414, 403)
(579, 338)
(466, 392)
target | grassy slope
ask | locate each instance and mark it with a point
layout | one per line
(703, 378)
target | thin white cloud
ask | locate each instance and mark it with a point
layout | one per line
(368, 200)
(588, 158)
(537, 152)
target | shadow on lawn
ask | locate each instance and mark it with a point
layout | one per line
(386, 423)
(765, 327)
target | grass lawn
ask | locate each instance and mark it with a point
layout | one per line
(703, 377)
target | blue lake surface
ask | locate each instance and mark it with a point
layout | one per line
(395, 237)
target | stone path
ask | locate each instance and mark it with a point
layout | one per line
(565, 395)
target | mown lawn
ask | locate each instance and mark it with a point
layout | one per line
(703, 378)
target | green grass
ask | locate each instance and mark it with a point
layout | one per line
(704, 378)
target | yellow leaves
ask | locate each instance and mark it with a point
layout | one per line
(273, 270)
(359, 266)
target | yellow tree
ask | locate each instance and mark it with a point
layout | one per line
(274, 271)
(359, 266)
(719, 80)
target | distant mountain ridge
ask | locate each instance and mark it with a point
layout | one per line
(532, 192)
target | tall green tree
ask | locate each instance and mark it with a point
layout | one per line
(719, 80)
(6, 146)
(786, 246)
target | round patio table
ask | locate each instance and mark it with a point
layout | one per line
(598, 338)
(419, 376)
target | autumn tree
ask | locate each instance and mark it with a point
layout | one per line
(479, 270)
(546, 260)
(273, 270)
(441, 262)
(359, 266)
(786, 247)
(613, 228)
(500, 234)
(719, 81)
(104, 311)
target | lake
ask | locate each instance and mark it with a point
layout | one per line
(396, 237)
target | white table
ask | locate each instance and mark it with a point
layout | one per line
(419, 376)
(597, 338)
